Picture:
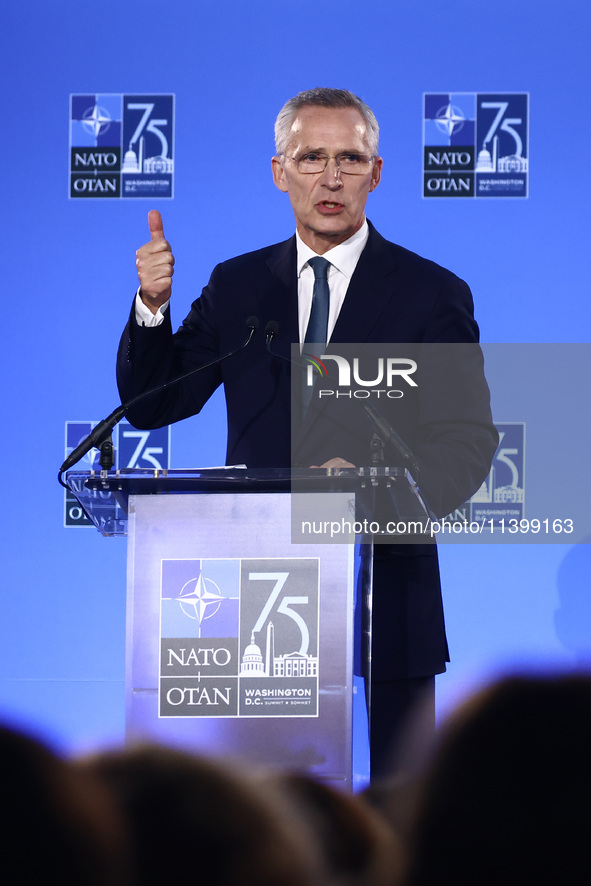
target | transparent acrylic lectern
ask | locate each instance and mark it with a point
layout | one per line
(240, 627)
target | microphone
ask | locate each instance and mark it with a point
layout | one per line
(104, 428)
(271, 330)
(389, 436)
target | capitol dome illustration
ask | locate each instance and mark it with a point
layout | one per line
(130, 162)
(252, 661)
(486, 161)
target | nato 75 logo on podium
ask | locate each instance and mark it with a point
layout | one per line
(239, 638)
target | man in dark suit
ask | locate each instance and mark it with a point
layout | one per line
(373, 291)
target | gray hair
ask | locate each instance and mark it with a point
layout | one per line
(325, 98)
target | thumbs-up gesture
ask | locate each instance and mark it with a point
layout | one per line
(155, 265)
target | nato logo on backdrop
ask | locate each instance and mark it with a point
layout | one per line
(502, 495)
(121, 145)
(133, 449)
(475, 144)
(501, 498)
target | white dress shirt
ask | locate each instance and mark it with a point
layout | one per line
(343, 261)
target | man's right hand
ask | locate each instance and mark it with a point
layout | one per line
(155, 265)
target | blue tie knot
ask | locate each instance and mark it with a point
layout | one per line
(320, 267)
(318, 322)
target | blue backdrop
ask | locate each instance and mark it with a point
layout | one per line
(68, 277)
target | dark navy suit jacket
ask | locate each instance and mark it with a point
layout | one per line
(393, 296)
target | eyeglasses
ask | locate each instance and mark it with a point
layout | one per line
(348, 162)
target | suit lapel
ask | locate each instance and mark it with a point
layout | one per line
(370, 293)
(371, 297)
(280, 301)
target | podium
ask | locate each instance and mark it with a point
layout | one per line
(240, 629)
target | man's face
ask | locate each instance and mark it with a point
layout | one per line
(329, 206)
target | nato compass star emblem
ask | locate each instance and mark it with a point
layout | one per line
(449, 119)
(200, 598)
(96, 120)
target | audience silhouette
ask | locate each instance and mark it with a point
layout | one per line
(501, 798)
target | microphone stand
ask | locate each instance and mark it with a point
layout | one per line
(100, 436)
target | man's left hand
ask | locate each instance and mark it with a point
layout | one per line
(335, 463)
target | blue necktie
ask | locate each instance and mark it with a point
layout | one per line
(317, 331)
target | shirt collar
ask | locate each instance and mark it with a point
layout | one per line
(344, 256)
